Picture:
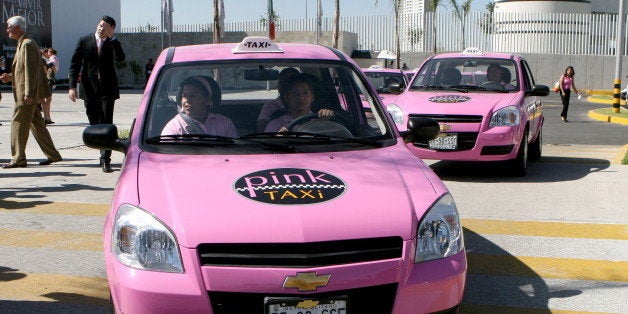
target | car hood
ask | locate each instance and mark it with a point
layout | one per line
(452, 102)
(287, 197)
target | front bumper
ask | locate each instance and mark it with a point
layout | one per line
(399, 286)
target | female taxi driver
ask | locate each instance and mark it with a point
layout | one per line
(297, 93)
(197, 95)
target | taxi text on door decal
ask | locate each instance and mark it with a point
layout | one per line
(449, 99)
(288, 186)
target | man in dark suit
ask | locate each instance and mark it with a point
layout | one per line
(94, 58)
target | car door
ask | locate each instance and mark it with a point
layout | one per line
(531, 104)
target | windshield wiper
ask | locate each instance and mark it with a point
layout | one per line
(427, 87)
(316, 137)
(188, 139)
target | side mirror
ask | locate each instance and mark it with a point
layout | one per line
(395, 88)
(540, 90)
(104, 136)
(421, 130)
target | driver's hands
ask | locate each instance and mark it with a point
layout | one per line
(283, 129)
(325, 114)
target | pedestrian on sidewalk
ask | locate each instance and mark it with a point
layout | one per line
(93, 59)
(566, 84)
(29, 88)
(51, 67)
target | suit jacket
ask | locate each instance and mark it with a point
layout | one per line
(90, 65)
(28, 73)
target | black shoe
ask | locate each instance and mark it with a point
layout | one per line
(47, 162)
(13, 165)
(106, 168)
(48, 121)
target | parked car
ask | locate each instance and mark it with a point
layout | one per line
(382, 79)
(330, 216)
(480, 119)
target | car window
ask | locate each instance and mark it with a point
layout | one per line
(473, 73)
(382, 80)
(246, 89)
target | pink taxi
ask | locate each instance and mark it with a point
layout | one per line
(331, 215)
(487, 105)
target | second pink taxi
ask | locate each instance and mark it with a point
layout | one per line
(310, 215)
(487, 105)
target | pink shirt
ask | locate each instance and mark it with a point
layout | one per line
(268, 109)
(215, 124)
(567, 82)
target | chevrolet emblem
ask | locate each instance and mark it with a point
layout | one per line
(444, 127)
(306, 281)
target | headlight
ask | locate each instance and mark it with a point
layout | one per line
(507, 116)
(440, 233)
(396, 113)
(140, 240)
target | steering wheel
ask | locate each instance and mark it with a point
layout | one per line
(312, 124)
(492, 85)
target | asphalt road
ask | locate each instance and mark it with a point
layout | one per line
(553, 240)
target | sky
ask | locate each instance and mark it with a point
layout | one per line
(143, 12)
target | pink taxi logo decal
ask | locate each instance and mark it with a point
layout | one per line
(290, 186)
(448, 99)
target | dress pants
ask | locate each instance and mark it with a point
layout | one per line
(99, 110)
(25, 118)
(565, 98)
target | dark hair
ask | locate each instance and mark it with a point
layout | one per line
(109, 20)
(197, 81)
(289, 84)
(573, 72)
(506, 75)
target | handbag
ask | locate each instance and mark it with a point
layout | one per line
(556, 87)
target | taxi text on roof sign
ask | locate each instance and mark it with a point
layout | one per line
(256, 44)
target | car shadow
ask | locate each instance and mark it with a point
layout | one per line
(549, 169)
(498, 282)
(28, 196)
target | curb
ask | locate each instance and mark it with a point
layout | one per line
(620, 156)
(606, 118)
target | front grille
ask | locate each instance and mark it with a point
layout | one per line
(448, 118)
(376, 299)
(497, 150)
(312, 254)
(466, 141)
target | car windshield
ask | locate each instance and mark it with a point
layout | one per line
(263, 106)
(468, 74)
(382, 80)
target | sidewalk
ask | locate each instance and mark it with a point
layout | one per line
(78, 177)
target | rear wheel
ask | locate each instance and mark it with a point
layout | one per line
(519, 165)
(536, 147)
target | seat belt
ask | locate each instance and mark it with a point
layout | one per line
(192, 127)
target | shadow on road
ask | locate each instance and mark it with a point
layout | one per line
(549, 169)
(498, 282)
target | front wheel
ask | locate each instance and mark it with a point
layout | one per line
(519, 165)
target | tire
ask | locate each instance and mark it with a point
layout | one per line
(519, 165)
(536, 147)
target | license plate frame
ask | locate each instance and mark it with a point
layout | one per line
(446, 141)
(290, 305)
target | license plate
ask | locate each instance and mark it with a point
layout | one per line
(337, 305)
(447, 141)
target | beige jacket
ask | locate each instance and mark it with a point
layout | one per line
(28, 73)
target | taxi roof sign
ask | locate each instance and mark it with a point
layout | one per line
(473, 51)
(256, 44)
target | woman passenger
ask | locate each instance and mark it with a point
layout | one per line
(197, 96)
(297, 94)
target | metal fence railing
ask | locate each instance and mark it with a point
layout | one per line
(546, 33)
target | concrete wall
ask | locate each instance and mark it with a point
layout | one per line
(139, 47)
(592, 72)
